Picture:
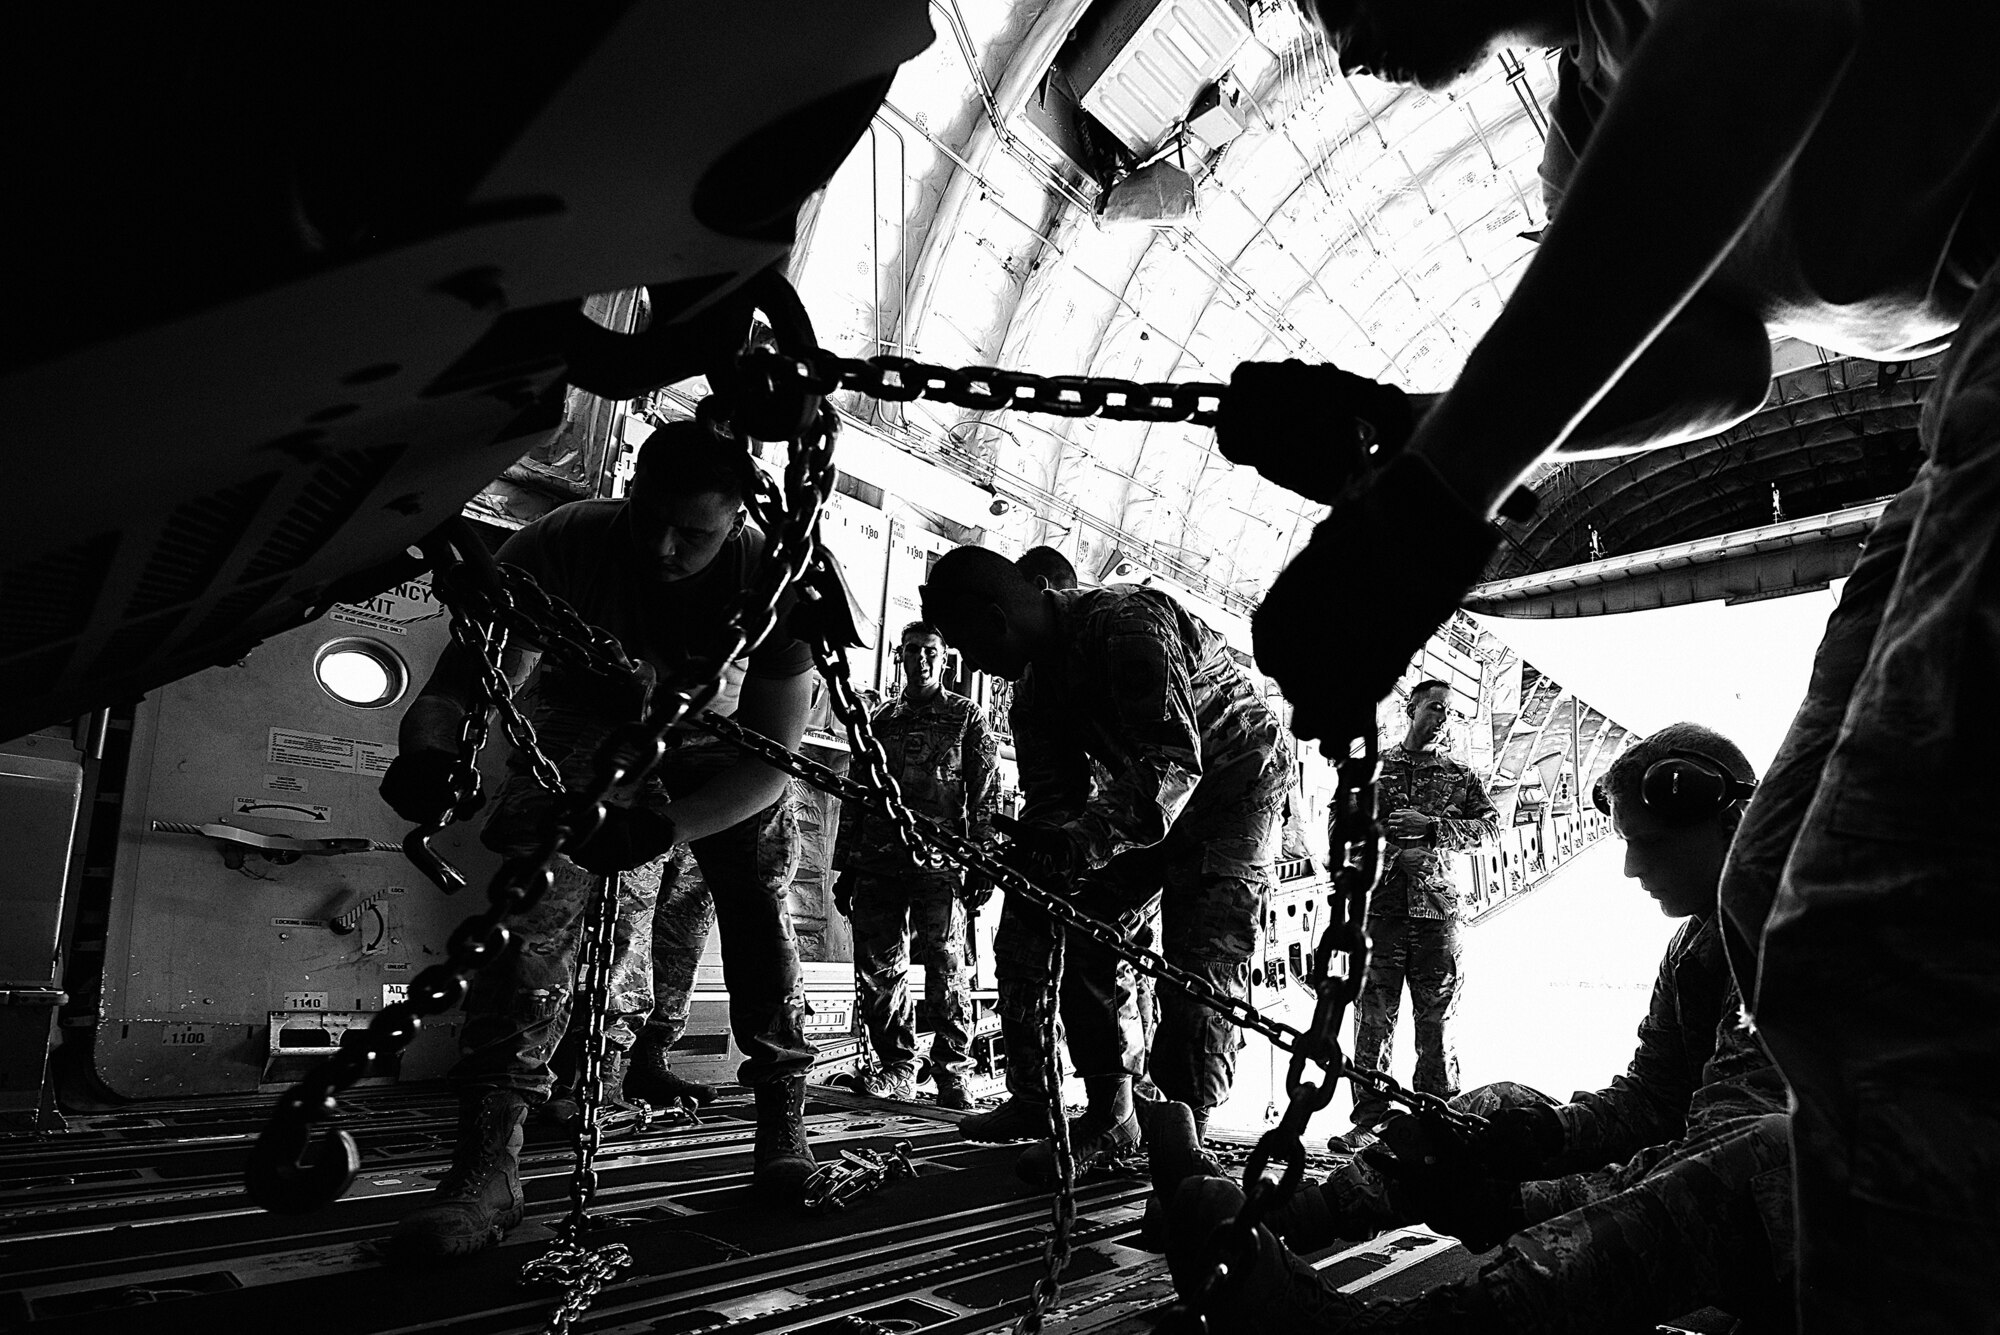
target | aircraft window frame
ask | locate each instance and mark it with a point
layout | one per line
(395, 672)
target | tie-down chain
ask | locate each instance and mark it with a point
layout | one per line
(1357, 862)
(489, 606)
(291, 1171)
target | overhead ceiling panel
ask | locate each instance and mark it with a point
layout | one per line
(1151, 77)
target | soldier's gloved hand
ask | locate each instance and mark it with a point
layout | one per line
(417, 786)
(1519, 1142)
(1045, 854)
(978, 889)
(1300, 425)
(1436, 1177)
(628, 838)
(843, 892)
(1381, 573)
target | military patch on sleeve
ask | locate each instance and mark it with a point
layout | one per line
(1139, 675)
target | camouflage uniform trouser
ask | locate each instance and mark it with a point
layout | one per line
(895, 918)
(1424, 953)
(518, 1010)
(1209, 879)
(1694, 1229)
(681, 924)
(1861, 901)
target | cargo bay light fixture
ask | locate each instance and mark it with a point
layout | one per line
(361, 672)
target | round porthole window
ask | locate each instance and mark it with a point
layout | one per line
(364, 673)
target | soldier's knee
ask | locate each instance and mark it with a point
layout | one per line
(1489, 1099)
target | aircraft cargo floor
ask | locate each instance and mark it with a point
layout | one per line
(136, 1221)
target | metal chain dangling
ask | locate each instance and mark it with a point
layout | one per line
(1062, 1225)
(571, 1265)
(286, 1172)
(490, 605)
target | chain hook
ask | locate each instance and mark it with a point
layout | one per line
(293, 1171)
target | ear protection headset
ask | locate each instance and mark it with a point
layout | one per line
(1682, 788)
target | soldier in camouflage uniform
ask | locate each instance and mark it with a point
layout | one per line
(1198, 771)
(944, 758)
(1434, 806)
(1130, 882)
(651, 570)
(1667, 1192)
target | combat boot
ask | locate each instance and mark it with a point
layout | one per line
(1019, 1118)
(479, 1198)
(1107, 1127)
(1174, 1154)
(1025, 1113)
(651, 1077)
(888, 1082)
(952, 1092)
(1277, 1290)
(783, 1159)
(564, 1105)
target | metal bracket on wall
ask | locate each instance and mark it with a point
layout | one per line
(235, 844)
(33, 996)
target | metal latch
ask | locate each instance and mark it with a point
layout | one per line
(236, 843)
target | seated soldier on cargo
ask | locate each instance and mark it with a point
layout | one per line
(1664, 1193)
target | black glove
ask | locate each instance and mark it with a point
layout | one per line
(977, 890)
(1046, 854)
(1299, 425)
(1436, 1176)
(843, 892)
(628, 838)
(417, 786)
(1518, 1142)
(1382, 572)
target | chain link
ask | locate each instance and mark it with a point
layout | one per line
(854, 1174)
(626, 756)
(988, 388)
(593, 993)
(866, 749)
(975, 858)
(1062, 1228)
(579, 1273)
(489, 605)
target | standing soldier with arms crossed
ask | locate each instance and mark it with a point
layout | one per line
(1434, 806)
(942, 754)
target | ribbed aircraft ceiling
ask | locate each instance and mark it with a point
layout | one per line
(1348, 221)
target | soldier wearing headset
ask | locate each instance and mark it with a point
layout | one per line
(1663, 1193)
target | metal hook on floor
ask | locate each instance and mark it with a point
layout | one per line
(292, 1170)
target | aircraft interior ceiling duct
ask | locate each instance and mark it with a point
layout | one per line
(1149, 59)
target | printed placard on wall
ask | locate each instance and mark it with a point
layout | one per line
(393, 611)
(322, 751)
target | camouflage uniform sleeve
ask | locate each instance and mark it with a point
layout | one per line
(1470, 819)
(1054, 772)
(1647, 1105)
(1153, 701)
(981, 762)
